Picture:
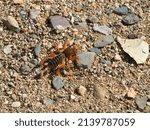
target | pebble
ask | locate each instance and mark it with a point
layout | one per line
(35, 62)
(103, 29)
(108, 11)
(100, 92)
(96, 50)
(132, 36)
(130, 19)
(37, 50)
(108, 39)
(86, 59)
(48, 101)
(18, 1)
(16, 104)
(59, 22)
(7, 49)
(148, 103)
(103, 61)
(72, 97)
(12, 24)
(93, 19)
(82, 25)
(57, 82)
(135, 48)
(117, 57)
(141, 102)
(81, 90)
(34, 13)
(24, 69)
(131, 93)
(122, 10)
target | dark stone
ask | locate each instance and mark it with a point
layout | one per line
(130, 19)
(104, 41)
(96, 50)
(122, 10)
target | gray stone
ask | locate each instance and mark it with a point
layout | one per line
(100, 92)
(103, 29)
(141, 102)
(34, 61)
(34, 13)
(93, 19)
(37, 50)
(12, 24)
(57, 83)
(48, 101)
(7, 49)
(96, 50)
(104, 41)
(122, 10)
(130, 19)
(59, 22)
(16, 104)
(86, 59)
(82, 25)
(24, 69)
(108, 11)
(103, 61)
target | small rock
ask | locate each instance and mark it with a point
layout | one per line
(108, 11)
(86, 59)
(57, 83)
(16, 104)
(18, 1)
(12, 24)
(24, 69)
(103, 61)
(117, 57)
(148, 103)
(82, 25)
(131, 93)
(93, 19)
(34, 13)
(100, 92)
(104, 41)
(141, 102)
(35, 62)
(48, 101)
(81, 90)
(7, 49)
(37, 50)
(59, 22)
(72, 97)
(136, 48)
(130, 19)
(96, 50)
(132, 36)
(103, 29)
(122, 10)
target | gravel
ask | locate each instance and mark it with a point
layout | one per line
(26, 24)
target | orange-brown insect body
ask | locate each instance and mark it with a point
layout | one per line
(58, 59)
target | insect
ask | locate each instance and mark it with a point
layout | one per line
(59, 59)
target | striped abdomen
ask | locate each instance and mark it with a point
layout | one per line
(54, 62)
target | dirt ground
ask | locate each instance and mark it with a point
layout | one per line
(111, 84)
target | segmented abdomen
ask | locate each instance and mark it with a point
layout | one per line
(54, 62)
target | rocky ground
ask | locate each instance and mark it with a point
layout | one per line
(112, 76)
